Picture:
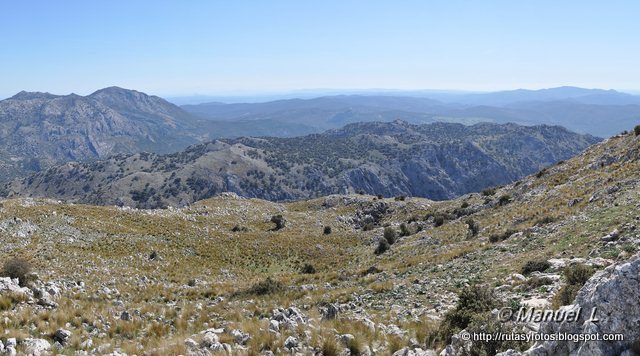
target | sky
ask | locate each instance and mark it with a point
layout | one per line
(231, 47)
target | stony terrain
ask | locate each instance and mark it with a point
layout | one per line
(436, 161)
(248, 276)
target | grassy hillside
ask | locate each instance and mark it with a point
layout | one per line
(221, 264)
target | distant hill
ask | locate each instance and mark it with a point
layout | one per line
(594, 111)
(436, 161)
(574, 94)
(38, 130)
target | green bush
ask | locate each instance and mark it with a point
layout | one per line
(538, 265)
(537, 282)
(308, 269)
(578, 274)
(473, 225)
(327, 230)
(279, 220)
(504, 200)
(438, 220)
(268, 286)
(636, 130)
(390, 235)
(488, 192)
(501, 237)
(383, 246)
(404, 230)
(473, 313)
(238, 228)
(472, 301)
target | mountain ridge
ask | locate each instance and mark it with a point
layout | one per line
(38, 130)
(438, 161)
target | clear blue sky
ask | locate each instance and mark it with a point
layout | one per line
(177, 48)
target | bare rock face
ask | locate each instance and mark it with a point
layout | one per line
(615, 292)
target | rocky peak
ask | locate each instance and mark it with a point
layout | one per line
(26, 95)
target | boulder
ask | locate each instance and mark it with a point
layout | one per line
(36, 347)
(458, 346)
(62, 336)
(126, 316)
(291, 343)
(329, 312)
(239, 337)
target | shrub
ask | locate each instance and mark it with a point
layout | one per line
(326, 230)
(17, 268)
(153, 255)
(473, 225)
(308, 269)
(537, 282)
(541, 173)
(279, 220)
(400, 198)
(501, 237)
(545, 220)
(354, 346)
(330, 347)
(488, 192)
(390, 235)
(438, 220)
(371, 270)
(268, 286)
(464, 205)
(239, 228)
(578, 274)
(636, 130)
(472, 301)
(404, 230)
(380, 196)
(504, 200)
(368, 227)
(383, 246)
(538, 265)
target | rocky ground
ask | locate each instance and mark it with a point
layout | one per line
(246, 276)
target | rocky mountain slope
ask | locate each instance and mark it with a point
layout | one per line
(438, 161)
(342, 274)
(38, 130)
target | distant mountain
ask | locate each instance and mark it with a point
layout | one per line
(324, 112)
(579, 95)
(437, 161)
(38, 130)
(594, 111)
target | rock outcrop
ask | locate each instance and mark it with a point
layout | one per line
(614, 293)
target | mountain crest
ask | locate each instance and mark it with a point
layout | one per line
(27, 95)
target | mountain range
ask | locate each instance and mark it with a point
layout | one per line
(41, 130)
(437, 161)
(594, 111)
